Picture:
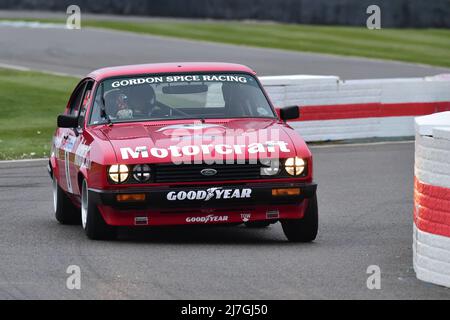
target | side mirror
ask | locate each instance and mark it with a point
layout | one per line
(289, 113)
(65, 121)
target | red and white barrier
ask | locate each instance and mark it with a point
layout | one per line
(333, 109)
(431, 241)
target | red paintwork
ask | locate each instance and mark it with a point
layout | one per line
(105, 143)
(179, 67)
(156, 218)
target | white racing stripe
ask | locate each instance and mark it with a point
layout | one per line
(67, 169)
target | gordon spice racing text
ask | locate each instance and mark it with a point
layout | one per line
(180, 144)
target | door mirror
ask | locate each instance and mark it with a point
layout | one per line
(289, 113)
(65, 121)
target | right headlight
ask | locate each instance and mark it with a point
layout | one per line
(270, 167)
(118, 173)
(295, 166)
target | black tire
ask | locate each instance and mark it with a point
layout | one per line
(257, 224)
(65, 211)
(305, 229)
(94, 225)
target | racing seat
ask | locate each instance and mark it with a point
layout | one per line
(234, 100)
(142, 99)
(111, 107)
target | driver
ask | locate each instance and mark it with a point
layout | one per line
(124, 112)
(116, 105)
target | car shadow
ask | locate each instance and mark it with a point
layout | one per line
(201, 235)
(204, 235)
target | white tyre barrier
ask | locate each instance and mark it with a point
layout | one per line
(333, 109)
(431, 240)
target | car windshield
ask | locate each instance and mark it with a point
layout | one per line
(179, 96)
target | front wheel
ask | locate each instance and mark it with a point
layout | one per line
(91, 219)
(305, 229)
(65, 211)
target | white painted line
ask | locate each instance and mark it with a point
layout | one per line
(31, 24)
(14, 67)
(23, 68)
(56, 73)
(23, 160)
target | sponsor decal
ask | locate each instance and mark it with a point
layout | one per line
(81, 156)
(245, 216)
(210, 193)
(142, 152)
(57, 142)
(179, 78)
(67, 144)
(207, 219)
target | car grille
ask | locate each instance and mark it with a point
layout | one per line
(192, 173)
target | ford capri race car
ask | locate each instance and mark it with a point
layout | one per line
(180, 144)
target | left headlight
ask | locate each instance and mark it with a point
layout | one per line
(295, 166)
(118, 173)
(142, 172)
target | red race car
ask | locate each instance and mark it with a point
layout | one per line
(180, 144)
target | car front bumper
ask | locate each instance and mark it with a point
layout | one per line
(232, 203)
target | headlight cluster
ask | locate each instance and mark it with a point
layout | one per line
(119, 173)
(142, 172)
(292, 166)
(270, 167)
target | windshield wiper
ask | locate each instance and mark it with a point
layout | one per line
(103, 108)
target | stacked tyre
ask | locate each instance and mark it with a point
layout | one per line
(431, 240)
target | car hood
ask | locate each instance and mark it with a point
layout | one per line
(210, 140)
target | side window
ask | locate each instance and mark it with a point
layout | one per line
(85, 102)
(75, 101)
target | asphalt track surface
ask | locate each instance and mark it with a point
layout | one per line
(78, 52)
(365, 205)
(365, 202)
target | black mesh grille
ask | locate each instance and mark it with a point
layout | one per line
(192, 173)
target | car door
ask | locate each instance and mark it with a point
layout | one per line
(67, 140)
(81, 146)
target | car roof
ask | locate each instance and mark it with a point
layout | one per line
(175, 67)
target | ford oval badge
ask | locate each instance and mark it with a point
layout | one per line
(208, 172)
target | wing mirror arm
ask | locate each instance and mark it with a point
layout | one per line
(77, 131)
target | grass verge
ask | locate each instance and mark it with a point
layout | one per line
(29, 104)
(427, 46)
